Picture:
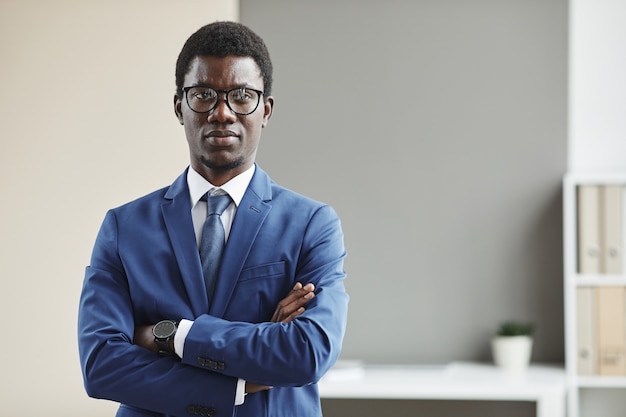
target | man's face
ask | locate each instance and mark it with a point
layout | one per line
(223, 144)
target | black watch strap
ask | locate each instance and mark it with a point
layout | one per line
(164, 346)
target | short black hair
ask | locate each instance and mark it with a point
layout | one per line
(222, 39)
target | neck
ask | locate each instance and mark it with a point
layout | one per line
(220, 176)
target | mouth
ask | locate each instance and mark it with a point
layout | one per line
(221, 137)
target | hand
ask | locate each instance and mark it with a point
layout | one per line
(292, 305)
(251, 387)
(287, 309)
(143, 337)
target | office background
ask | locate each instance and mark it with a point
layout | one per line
(438, 130)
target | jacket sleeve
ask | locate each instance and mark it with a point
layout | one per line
(115, 369)
(278, 354)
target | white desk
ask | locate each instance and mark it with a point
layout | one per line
(544, 385)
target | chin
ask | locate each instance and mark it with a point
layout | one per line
(223, 165)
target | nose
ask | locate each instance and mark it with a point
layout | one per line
(221, 112)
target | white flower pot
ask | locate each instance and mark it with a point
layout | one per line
(512, 353)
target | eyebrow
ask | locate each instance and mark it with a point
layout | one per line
(232, 88)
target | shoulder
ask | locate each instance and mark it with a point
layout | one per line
(291, 204)
(153, 201)
(284, 194)
(273, 193)
(148, 200)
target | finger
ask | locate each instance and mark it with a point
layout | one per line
(299, 301)
(293, 315)
(295, 292)
(288, 312)
(251, 387)
(285, 311)
(299, 291)
(297, 297)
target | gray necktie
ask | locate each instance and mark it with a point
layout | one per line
(213, 237)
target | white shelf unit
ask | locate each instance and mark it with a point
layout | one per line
(574, 280)
(542, 384)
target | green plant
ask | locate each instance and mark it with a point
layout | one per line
(515, 328)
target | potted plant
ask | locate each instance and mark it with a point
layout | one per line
(512, 345)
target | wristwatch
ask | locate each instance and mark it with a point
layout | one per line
(164, 332)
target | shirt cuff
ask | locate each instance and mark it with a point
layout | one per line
(181, 334)
(179, 346)
(240, 394)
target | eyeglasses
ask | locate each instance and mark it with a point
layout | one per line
(240, 100)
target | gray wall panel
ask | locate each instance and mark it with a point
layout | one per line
(437, 129)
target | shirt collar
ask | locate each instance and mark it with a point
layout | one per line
(236, 187)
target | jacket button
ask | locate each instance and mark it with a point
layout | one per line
(198, 410)
(208, 363)
(208, 412)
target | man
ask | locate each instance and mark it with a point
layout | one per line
(153, 335)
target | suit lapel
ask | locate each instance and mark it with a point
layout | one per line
(250, 216)
(177, 216)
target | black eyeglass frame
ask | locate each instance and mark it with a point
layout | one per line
(217, 100)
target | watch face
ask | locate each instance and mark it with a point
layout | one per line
(164, 329)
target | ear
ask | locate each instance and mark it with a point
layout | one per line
(178, 108)
(268, 109)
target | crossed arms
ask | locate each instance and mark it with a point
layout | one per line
(287, 309)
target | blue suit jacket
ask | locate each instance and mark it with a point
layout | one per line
(145, 267)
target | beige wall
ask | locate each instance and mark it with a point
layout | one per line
(87, 123)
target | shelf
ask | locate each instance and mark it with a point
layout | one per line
(598, 203)
(543, 384)
(595, 178)
(601, 381)
(589, 280)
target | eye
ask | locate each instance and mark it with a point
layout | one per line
(203, 94)
(242, 94)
